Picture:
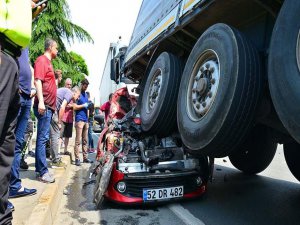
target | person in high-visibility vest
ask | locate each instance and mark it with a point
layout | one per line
(15, 34)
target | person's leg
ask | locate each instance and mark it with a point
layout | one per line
(84, 140)
(61, 136)
(27, 137)
(30, 145)
(27, 140)
(43, 128)
(78, 126)
(48, 145)
(90, 136)
(9, 107)
(54, 136)
(25, 145)
(92, 142)
(32, 125)
(22, 120)
(67, 134)
(66, 144)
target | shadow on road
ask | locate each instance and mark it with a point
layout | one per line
(234, 198)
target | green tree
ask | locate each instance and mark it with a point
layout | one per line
(79, 68)
(55, 22)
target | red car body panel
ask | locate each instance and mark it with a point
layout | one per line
(113, 195)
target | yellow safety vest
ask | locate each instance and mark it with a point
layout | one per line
(15, 21)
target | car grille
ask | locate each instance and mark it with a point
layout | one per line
(136, 184)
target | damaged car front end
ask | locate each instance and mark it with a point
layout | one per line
(139, 168)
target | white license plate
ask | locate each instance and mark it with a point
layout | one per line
(162, 193)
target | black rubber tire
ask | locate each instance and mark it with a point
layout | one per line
(284, 67)
(292, 158)
(231, 114)
(204, 168)
(256, 153)
(161, 119)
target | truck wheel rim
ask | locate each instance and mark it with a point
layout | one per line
(203, 85)
(298, 51)
(154, 90)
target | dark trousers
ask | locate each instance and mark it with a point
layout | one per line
(22, 121)
(90, 135)
(9, 108)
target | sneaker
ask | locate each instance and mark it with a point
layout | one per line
(77, 162)
(87, 161)
(23, 164)
(47, 178)
(22, 193)
(58, 163)
(10, 206)
(91, 150)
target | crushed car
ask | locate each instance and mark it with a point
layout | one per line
(136, 168)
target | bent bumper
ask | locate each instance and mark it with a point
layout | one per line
(135, 183)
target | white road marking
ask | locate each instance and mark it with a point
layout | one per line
(185, 215)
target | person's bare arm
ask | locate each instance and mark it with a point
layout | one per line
(70, 106)
(39, 90)
(78, 107)
(33, 89)
(62, 110)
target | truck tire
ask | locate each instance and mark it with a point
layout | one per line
(158, 105)
(256, 153)
(216, 106)
(284, 67)
(292, 158)
(205, 168)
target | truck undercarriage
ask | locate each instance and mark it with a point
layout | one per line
(222, 72)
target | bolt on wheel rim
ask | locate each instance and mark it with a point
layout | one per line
(154, 90)
(203, 85)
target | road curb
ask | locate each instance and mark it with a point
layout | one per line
(45, 211)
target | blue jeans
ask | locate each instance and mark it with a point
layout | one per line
(22, 121)
(91, 141)
(43, 130)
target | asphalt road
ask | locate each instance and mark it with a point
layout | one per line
(272, 197)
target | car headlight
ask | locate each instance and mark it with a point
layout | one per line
(198, 181)
(121, 187)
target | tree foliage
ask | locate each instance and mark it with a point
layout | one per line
(79, 66)
(55, 22)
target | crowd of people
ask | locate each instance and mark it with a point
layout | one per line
(53, 107)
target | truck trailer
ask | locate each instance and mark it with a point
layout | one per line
(108, 84)
(223, 75)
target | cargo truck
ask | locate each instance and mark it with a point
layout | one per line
(223, 75)
(114, 60)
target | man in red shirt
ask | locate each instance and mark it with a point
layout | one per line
(44, 106)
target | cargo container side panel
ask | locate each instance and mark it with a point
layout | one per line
(107, 86)
(188, 5)
(152, 16)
